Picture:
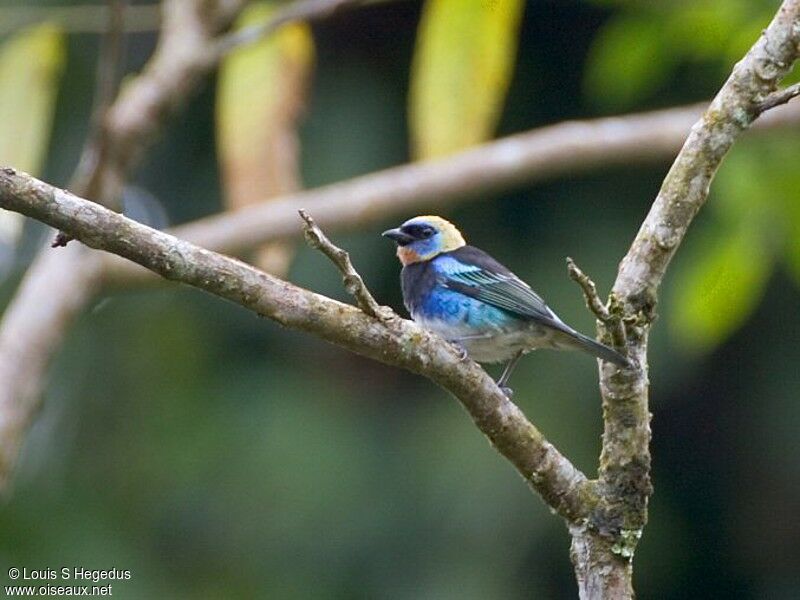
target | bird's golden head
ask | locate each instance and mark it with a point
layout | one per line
(422, 238)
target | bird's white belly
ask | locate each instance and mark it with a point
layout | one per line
(494, 345)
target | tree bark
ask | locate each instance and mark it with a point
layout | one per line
(599, 571)
(607, 516)
(612, 533)
(381, 335)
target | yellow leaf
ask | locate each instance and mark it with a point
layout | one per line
(462, 67)
(260, 100)
(30, 67)
(259, 103)
(720, 284)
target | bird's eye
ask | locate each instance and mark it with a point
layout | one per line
(419, 232)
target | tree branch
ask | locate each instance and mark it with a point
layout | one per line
(109, 64)
(593, 302)
(88, 174)
(37, 319)
(606, 517)
(609, 315)
(565, 148)
(391, 340)
(305, 10)
(353, 283)
(778, 97)
(602, 550)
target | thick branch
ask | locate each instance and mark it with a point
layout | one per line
(180, 62)
(685, 188)
(625, 459)
(566, 148)
(598, 570)
(393, 341)
(182, 59)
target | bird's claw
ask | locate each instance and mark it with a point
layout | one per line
(463, 355)
(509, 393)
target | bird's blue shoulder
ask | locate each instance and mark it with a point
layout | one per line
(472, 272)
(430, 298)
(417, 280)
(422, 280)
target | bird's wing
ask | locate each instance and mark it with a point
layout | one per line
(484, 279)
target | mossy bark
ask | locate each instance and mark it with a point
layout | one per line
(603, 550)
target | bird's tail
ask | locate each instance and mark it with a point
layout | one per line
(597, 349)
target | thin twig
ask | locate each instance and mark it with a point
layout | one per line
(303, 10)
(109, 65)
(609, 318)
(353, 282)
(779, 97)
(593, 302)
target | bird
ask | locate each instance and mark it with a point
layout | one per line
(471, 300)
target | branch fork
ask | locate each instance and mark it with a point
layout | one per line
(609, 314)
(778, 97)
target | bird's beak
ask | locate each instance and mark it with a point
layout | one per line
(398, 236)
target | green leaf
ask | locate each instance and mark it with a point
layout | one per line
(720, 284)
(778, 157)
(629, 59)
(702, 30)
(30, 67)
(744, 36)
(760, 178)
(463, 63)
(741, 184)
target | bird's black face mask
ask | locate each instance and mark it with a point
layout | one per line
(409, 233)
(399, 236)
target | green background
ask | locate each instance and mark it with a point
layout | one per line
(216, 455)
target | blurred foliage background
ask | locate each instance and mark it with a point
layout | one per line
(216, 455)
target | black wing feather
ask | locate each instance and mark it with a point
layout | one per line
(497, 285)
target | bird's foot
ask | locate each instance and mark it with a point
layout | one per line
(509, 393)
(463, 355)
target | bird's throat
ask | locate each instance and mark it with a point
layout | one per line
(407, 256)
